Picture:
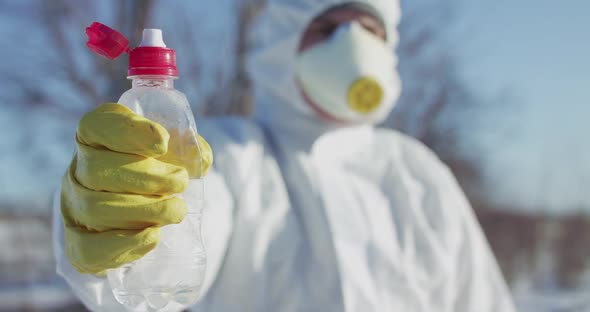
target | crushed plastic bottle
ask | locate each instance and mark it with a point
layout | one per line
(172, 274)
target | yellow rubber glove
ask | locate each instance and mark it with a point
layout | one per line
(117, 193)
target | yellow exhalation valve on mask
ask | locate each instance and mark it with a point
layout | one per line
(365, 95)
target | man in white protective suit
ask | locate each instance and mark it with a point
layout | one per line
(310, 207)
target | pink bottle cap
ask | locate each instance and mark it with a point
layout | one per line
(143, 60)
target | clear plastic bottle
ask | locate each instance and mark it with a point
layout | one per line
(171, 275)
(174, 270)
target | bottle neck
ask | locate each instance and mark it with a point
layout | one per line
(153, 81)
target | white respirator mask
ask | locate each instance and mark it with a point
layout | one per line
(350, 77)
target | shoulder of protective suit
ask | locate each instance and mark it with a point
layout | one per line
(415, 155)
(429, 181)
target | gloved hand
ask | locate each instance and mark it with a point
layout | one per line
(117, 193)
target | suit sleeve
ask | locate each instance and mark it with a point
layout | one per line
(474, 281)
(478, 284)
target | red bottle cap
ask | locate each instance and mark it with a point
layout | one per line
(152, 61)
(143, 60)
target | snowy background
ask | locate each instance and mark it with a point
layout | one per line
(497, 88)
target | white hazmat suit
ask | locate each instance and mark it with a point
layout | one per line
(306, 215)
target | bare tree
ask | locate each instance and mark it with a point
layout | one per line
(240, 97)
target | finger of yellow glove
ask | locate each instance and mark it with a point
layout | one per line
(103, 211)
(190, 151)
(91, 252)
(117, 128)
(104, 170)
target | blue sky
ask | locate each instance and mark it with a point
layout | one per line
(539, 48)
(536, 53)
